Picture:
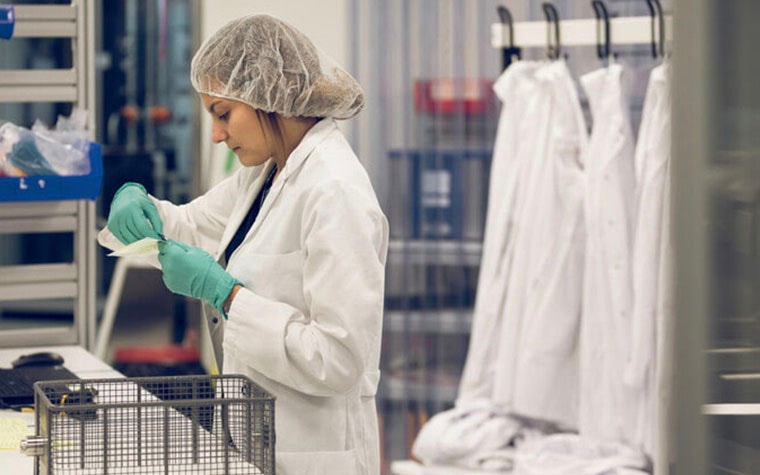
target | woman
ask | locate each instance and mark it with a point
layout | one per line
(287, 254)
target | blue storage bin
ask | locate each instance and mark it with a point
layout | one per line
(56, 187)
(7, 21)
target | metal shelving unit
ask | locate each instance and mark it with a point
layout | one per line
(71, 280)
(451, 321)
(397, 389)
(428, 320)
(439, 252)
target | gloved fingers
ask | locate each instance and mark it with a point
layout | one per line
(115, 225)
(117, 231)
(170, 247)
(167, 252)
(151, 213)
(125, 232)
(141, 227)
(135, 228)
(182, 245)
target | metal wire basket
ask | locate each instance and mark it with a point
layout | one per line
(220, 424)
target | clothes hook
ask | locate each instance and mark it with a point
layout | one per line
(655, 11)
(552, 50)
(506, 19)
(509, 52)
(602, 49)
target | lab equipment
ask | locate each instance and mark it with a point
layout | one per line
(268, 64)
(133, 215)
(183, 425)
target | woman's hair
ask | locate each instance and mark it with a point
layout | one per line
(271, 66)
(270, 127)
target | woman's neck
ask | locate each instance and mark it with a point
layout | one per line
(293, 131)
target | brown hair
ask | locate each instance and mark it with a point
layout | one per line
(270, 127)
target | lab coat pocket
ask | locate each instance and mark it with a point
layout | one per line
(568, 185)
(568, 164)
(277, 277)
(342, 462)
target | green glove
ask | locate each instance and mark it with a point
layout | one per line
(191, 271)
(133, 215)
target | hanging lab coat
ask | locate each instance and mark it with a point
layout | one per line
(477, 434)
(307, 325)
(516, 88)
(606, 405)
(650, 263)
(537, 358)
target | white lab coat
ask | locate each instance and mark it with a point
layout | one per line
(649, 261)
(307, 326)
(516, 88)
(571, 454)
(538, 363)
(606, 405)
(476, 434)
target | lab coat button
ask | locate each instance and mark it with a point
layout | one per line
(215, 320)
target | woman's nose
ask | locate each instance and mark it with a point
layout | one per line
(218, 134)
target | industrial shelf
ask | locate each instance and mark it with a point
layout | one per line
(53, 204)
(49, 85)
(435, 252)
(430, 321)
(401, 389)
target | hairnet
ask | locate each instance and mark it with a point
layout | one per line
(268, 64)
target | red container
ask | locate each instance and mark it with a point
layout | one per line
(454, 96)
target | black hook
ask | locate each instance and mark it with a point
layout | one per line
(506, 19)
(655, 11)
(552, 50)
(509, 52)
(602, 49)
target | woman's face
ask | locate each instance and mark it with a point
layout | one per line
(237, 125)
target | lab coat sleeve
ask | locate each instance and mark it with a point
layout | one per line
(344, 237)
(201, 222)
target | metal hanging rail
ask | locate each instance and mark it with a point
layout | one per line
(623, 31)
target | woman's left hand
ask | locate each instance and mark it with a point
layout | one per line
(191, 271)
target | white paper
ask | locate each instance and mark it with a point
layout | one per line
(143, 247)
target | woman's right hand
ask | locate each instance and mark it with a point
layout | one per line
(133, 215)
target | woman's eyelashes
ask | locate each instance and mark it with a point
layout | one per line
(224, 117)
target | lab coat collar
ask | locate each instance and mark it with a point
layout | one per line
(297, 157)
(320, 131)
(313, 137)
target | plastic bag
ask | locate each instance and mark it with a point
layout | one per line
(40, 151)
